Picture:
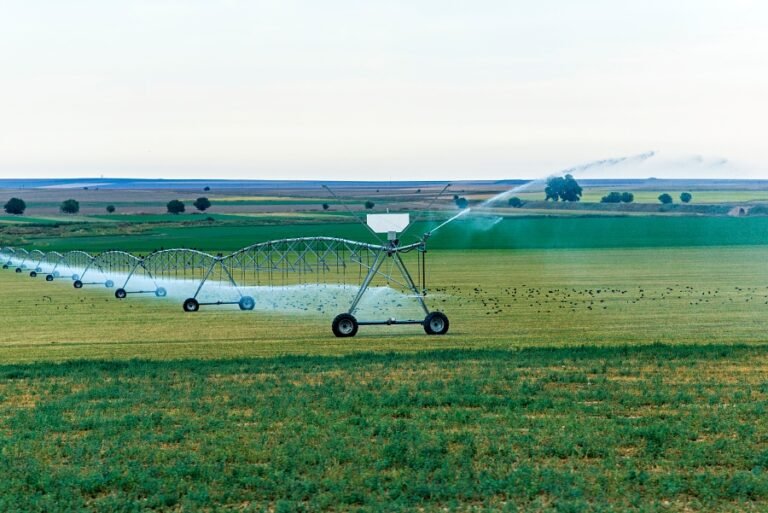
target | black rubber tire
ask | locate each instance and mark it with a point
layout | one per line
(246, 303)
(49, 277)
(120, 293)
(5, 266)
(191, 305)
(78, 284)
(75, 277)
(109, 284)
(18, 269)
(436, 323)
(344, 325)
(32, 274)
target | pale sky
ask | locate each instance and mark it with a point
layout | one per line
(414, 89)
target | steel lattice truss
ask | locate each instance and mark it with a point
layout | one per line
(50, 260)
(247, 276)
(302, 259)
(105, 267)
(71, 265)
(16, 258)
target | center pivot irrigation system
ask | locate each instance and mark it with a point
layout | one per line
(250, 276)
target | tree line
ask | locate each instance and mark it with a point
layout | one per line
(558, 188)
(567, 189)
(17, 206)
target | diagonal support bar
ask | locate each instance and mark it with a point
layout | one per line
(372, 271)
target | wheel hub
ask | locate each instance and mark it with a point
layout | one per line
(346, 327)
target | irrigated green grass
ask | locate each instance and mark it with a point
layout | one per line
(8, 219)
(470, 232)
(657, 428)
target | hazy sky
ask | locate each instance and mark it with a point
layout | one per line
(387, 89)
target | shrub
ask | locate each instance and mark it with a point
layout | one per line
(175, 207)
(70, 206)
(462, 202)
(369, 204)
(686, 197)
(515, 202)
(627, 197)
(612, 197)
(202, 204)
(110, 208)
(15, 206)
(665, 199)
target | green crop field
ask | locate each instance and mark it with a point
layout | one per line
(572, 379)
(657, 428)
(229, 233)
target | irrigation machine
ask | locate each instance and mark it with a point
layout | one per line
(348, 272)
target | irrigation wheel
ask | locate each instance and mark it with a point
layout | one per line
(18, 269)
(344, 325)
(191, 305)
(247, 303)
(78, 284)
(109, 284)
(32, 274)
(161, 292)
(436, 323)
(120, 293)
(49, 277)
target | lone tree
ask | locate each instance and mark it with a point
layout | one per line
(564, 188)
(70, 206)
(627, 197)
(206, 188)
(110, 209)
(515, 202)
(175, 207)
(686, 197)
(611, 197)
(202, 204)
(15, 206)
(369, 204)
(665, 199)
(326, 206)
(461, 202)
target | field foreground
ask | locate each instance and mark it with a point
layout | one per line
(571, 380)
(657, 428)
